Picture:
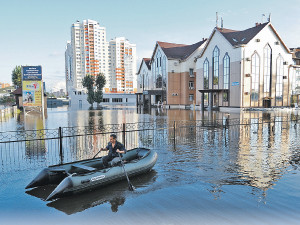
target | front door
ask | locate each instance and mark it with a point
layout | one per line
(267, 103)
(215, 100)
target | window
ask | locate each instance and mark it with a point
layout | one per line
(225, 97)
(117, 100)
(267, 68)
(295, 81)
(105, 99)
(191, 84)
(205, 74)
(191, 98)
(226, 65)
(159, 81)
(191, 72)
(205, 99)
(255, 65)
(279, 80)
(215, 62)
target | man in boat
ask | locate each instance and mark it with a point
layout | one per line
(115, 148)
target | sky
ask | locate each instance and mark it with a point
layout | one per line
(35, 32)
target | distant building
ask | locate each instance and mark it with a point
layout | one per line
(122, 66)
(86, 53)
(243, 69)
(79, 99)
(296, 55)
(4, 85)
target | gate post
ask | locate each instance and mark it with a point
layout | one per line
(174, 127)
(60, 145)
(123, 132)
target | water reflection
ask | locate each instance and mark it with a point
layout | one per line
(114, 194)
(34, 124)
(256, 154)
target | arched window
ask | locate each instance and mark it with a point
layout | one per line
(279, 80)
(267, 68)
(158, 82)
(255, 65)
(226, 67)
(158, 70)
(215, 62)
(206, 74)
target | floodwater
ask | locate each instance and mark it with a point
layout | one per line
(240, 175)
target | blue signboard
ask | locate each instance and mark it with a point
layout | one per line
(235, 83)
(32, 72)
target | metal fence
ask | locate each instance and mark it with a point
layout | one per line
(26, 149)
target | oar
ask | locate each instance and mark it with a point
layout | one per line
(130, 186)
(97, 153)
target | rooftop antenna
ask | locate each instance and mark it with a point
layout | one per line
(217, 18)
(262, 18)
(269, 20)
(221, 23)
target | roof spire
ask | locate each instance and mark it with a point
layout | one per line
(269, 19)
(217, 18)
(221, 23)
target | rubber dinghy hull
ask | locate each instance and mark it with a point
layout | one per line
(86, 175)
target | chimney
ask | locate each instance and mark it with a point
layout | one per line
(257, 24)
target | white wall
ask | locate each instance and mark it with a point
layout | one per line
(235, 58)
(146, 74)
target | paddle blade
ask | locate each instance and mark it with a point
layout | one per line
(131, 187)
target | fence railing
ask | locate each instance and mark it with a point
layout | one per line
(24, 149)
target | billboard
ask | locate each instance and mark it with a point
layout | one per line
(32, 93)
(32, 72)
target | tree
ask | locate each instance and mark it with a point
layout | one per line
(16, 76)
(94, 95)
(88, 83)
(100, 82)
(90, 97)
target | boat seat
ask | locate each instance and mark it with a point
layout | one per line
(80, 166)
(142, 153)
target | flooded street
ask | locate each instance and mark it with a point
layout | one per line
(241, 174)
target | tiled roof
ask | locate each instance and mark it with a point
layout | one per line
(297, 54)
(169, 45)
(19, 91)
(179, 51)
(241, 37)
(147, 62)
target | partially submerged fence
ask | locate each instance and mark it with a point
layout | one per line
(25, 149)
